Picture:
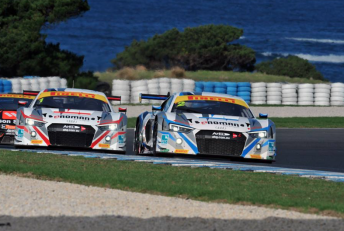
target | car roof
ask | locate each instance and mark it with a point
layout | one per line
(208, 94)
(74, 90)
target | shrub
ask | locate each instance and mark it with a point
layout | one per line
(178, 72)
(84, 80)
(159, 74)
(201, 48)
(291, 66)
(127, 73)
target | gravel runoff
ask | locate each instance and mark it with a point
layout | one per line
(134, 111)
(30, 204)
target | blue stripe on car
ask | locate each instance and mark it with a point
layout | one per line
(249, 148)
(194, 148)
(266, 143)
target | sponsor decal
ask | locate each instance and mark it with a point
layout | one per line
(121, 139)
(164, 150)
(181, 151)
(221, 136)
(9, 115)
(36, 141)
(255, 156)
(66, 93)
(104, 145)
(164, 139)
(17, 96)
(181, 104)
(6, 121)
(72, 117)
(3, 126)
(20, 133)
(210, 98)
(73, 128)
(235, 135)
(271, 146)
(11, 127)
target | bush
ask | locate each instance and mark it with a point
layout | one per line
(291, 66)
(177, 72)
(200, 48)
(127, 73)
(84, 80)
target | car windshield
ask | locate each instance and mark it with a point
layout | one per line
(12, 103)
(72, 102)
(212, 107)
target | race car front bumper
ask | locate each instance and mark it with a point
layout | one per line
(35, 136)
(232, 144)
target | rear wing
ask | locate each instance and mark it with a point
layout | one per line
(33, 93)
(153, 97)
(114, 98)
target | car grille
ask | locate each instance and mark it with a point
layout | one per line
(220, 143)
(58, 137)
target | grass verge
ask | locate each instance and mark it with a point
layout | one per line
(292, 122)
(288, 192)
(216, 76)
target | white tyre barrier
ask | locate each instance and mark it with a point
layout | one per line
(306, 90)
(290, 95)
(305, 86)
(63, 83)
(188, 85)
(288, 90)
(322, 90)
(337, 94)
(274, 85)
(274, 102)
(336, 98)
(337, 89)
(258, 94)
(322, 86)
(289, 86)
(319, 103)
(300, 95)
(337, 103)
(275, 89)
(273, 93)
(164, 80)
(258, 85)
(274, 98)
(323, 95)
(258, 102)
(305, 103)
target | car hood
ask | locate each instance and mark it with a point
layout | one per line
(217, 122)
(55, 115)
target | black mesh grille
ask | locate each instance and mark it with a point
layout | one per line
(220, 143)
(58, 137)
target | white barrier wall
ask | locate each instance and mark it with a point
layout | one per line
(18, 84)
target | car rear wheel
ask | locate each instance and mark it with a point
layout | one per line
(155, 134)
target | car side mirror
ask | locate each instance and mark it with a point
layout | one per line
(263, 116)
(122, 110)
(22, 103)
(156, 108)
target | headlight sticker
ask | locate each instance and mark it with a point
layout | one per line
(164, 139)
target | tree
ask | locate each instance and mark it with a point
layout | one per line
(201, 48)
(291, 66)
(23, 50)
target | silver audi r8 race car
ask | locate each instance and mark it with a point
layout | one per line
(70, 117)
(204, 123)
(9, 104)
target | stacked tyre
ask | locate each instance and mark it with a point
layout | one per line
(137, 87)
(220, 88)
(244, 91)
(164, 86)
(208, 87)
(25, 84)
(63, 83)
(258, 93)
(232, 88)
(188, 85)
(35, 84)
(199, 87)
(322, 94)
(121, 88)
(43, 83)
(289, 94)
(54, 82)
(306, 94)
(16, 86)
(5, 86)
(176, 85)
(337, 94)
(274, 93)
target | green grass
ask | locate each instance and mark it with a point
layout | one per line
(222, 76)
(293, 122)
(203, 184)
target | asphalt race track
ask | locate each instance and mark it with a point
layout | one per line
(312, 149)
(309, 149)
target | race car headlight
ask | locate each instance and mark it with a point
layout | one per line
(260, 134)
(32, 122)
(110, 127)
(179, 128)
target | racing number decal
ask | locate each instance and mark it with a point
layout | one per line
(181, 104)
